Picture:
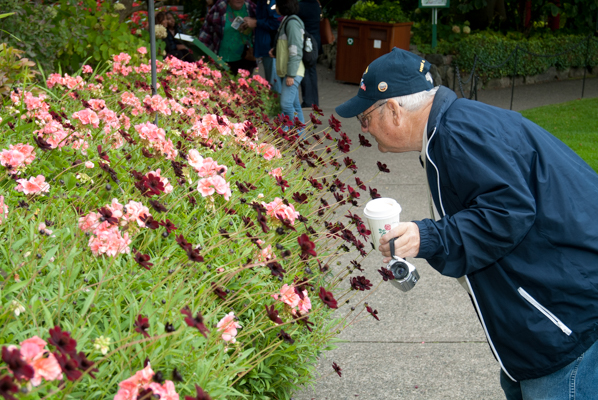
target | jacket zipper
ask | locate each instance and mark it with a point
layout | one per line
(544, 311)
(475, 300)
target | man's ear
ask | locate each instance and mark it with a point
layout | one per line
(396, 111)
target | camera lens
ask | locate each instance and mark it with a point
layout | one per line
(399, 270)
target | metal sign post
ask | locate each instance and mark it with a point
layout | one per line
(152, 32)
(434, 5)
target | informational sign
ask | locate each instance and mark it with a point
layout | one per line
(377, 44)
(434, 3)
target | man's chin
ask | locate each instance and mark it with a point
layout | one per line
(381, 149)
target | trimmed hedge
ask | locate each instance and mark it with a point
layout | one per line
(494, 50)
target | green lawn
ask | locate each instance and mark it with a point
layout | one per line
(574, 122)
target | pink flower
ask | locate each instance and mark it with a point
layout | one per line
(268, 151)
(42, 228)
(205, 187)
(142, 50)
(134, 211)
(3, 210)
(87, 69)
(89, 222)
(288, 296)
(47, 368)
(304, 304)
(33, 347)
(87, 117)
(221, 186)
(228, 326)
(96, 104)
(122, 58)
(53, 79)
(194, 158)
(266, 255)
(89, 164)
(35, 185)
(276, 172)
(129, 388)
(166, 391)
(277, 209)
(17, 156)
(109, 242)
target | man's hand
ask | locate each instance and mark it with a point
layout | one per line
(271, 53)
(407, 244)
(250, 23)
(290, 81)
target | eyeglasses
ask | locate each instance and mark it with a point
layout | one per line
(362, 117)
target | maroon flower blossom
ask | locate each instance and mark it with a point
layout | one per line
(141, 325)
(307, 247)
(263, 221)
(360, 283)
(106, 215)
(374, 193)
(356, 265)
(363, 141)
(340, 185)
(183, 243)
(149, 221)
(200, 394)
(156, 205)
(300, 198)
(103, 155)
(337, 369)
(218, 291)
(339, 198)
(353, 194)
(17, 365)
(41, 143)
(363, 231)
(314, 119)
(169, 226)
(273, 315)
(193, 255)
(356, 219)
(349, 163)
(142, 189)
(373, 312)
(153, 184)
(195, 322)
(334, 123)
(146, 153)
(142, 259)
(285, 336)
(317, 109)
(7, 387)
(327, 298)
(145, 394)
(276, 269)
(360, 184)
(282, 183)
(62, 340)
(386, 274)
(382, 167)
(314, 182)
(136, 174)
(85, 365)
(70, 367)
(344, 146)
(304, 320)
(238, 161)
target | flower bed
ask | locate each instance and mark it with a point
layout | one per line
(188, 259)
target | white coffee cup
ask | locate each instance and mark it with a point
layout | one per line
(382, 215)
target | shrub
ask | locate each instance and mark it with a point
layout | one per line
(196, 252)
(494, 49)
(388, 11)
(14, 69)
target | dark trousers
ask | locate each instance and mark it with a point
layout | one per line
(309, 87)
(235, 66)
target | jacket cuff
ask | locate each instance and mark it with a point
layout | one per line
(426, 241)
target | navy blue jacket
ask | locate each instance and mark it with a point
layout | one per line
(268, 22)
(520, 213)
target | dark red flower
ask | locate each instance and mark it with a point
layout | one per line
(145, 394)
(285, 336)
(142, 259)
(360, 283)
(183, 242)
(218, 291)
(314, 119)
(317, 109)
(200, 394)
(334, 123)
(386, 274)
(7, 387)
(263, 221)
(363, 141)
(360, 184)
(62, 340)
(300, 198)
(149, 221)
(356, 265)
(136, 174)
(307, 246)
(41, 143)
(103, 155)
(70, 367)
(349, 163)
(146, 153)
(314, 182)
(304, 320)
(17, 365)
(168, 225)
(193, 255)
(273, 315)
(373, 312)
(142, 325)
(337, 369)
(344, 146)
(327, 298)
(363, 231)
(156, 205)
(238, 161)
(153, 184)
(276, 269)
(353, 194)
(282, 183)
(106, 215)
(142, 189)
(382, 167)
(356, 219)
(85, 365)
(195, 322)
(374, 193)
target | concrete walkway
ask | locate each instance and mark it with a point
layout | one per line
(428, 343)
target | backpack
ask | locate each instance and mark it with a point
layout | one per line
(310, 49)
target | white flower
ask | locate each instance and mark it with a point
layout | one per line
(456, 29)
(467, 30)
(161, 32)
(102, 344)
(16, 307)
(119, 7)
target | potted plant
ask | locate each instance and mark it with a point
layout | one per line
(368, 31)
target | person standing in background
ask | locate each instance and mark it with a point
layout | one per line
(310, 12)
(266, 24)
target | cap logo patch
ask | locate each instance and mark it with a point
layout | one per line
(382, 86)
(421, 67)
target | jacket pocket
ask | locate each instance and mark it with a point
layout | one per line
(544, 311)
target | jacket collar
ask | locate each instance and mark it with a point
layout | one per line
(443, 99)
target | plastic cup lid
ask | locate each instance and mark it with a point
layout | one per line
(382, 208)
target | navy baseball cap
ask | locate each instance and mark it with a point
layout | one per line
(397, 73)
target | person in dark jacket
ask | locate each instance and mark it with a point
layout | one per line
(514, 220)
(265, 25)
(310, 13)
(173, 46)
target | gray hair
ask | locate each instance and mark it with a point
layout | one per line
(415, 101)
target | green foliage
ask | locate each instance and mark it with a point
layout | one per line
(494, 49)
(14, 69)
(388, 11)
(574, 123)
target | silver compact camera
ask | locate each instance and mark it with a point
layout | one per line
(406, 276)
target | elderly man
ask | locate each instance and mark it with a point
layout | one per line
(514, 220)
